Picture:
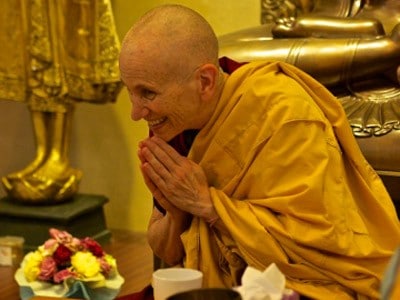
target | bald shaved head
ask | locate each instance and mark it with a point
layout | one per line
(174, 36)
(169, 65)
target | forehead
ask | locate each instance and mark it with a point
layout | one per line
(137, 67)
(151, 59)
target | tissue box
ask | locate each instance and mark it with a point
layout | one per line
(265, 285)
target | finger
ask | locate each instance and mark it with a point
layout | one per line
(158, 168)
(154, 190)
(141, 145)
(158, 195)
(168, 149)
(141, 157)
(165, 154)
(151, 186)
(161, 183)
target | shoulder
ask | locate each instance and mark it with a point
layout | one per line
(267, 89)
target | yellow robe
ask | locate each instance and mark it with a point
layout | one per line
(292, 187)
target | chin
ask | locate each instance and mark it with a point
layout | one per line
(166, 135)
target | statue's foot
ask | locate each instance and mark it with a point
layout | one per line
(37, 188)
(29, 169)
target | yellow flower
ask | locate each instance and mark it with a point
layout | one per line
(85, 264)
(111, 261)
(32, 263)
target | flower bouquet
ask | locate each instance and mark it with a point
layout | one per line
(65, 266)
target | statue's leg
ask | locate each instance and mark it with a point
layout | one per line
(53, 180)
(40, 124)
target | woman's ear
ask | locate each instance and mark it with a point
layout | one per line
(208, 80)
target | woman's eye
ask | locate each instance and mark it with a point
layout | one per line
(149, 95)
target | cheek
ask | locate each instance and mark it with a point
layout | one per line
(187, 110)
(177, 115)
(180, 109)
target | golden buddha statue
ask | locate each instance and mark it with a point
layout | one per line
(53, 55)
(351, 46)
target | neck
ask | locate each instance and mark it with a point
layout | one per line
(222, 77)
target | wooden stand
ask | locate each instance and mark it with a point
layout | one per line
(82, 216)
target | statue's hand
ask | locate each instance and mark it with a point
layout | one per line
(327, 27)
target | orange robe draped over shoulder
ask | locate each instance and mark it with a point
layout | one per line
(292, 187)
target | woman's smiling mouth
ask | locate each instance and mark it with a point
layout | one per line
(153, 123)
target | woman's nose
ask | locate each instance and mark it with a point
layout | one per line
(139, 111)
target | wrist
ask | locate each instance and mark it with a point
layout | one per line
(212, 218)
(211, 222)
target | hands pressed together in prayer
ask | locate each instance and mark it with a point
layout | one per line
(177, 183)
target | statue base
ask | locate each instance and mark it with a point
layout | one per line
(82, 216)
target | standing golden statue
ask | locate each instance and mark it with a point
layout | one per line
(53, 55)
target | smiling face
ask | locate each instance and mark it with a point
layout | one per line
(169, 64)
(166, 98)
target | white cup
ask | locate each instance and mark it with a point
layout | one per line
(169, 281)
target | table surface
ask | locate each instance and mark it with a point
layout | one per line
(134, 259)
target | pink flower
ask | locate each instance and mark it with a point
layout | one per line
(106, 268)
(49, 244)
(63, 274)
(65, 238)
(75, 244)
(61, 236)
(48, 268)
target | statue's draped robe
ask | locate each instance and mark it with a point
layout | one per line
(291, 187)
(58, 52)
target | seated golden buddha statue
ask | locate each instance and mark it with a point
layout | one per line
(333, 44)
(353, 48)
(51, 63)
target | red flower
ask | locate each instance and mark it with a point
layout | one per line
(93, 246)
(62, 256)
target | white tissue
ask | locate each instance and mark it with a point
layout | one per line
(266, 285)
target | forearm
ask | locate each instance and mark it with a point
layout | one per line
(164, 236)
(327, 27)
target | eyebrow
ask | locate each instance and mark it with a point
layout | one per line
(141, 86)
